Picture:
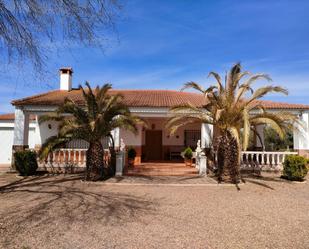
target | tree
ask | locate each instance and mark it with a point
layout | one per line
(102, 113)
(229, 109)
(273, 141)
(27, 25)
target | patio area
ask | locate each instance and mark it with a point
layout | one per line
(64, 212)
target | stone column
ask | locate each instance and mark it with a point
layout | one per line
(301, 135)
(138, 146)
(116, 137)
(260, 132)
(206, 135)
(21, 131)
(120, 158)
(38, 140)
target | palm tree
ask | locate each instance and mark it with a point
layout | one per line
(91, 122)
(229, 108)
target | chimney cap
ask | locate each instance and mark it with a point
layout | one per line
(66, 70)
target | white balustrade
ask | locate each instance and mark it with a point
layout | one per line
(256, 159)
(64, 157)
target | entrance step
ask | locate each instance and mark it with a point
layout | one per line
(162, 169)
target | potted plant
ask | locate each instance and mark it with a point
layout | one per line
(131, 156)
(188, 154)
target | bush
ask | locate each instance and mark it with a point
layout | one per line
(131, 153)
(295, 168)
(188, 154)
(25, 162)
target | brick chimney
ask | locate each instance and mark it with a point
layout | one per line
(66, 78)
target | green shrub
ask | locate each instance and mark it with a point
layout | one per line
(295, 168)
(25, 162)
(188, 153)
(131, 153)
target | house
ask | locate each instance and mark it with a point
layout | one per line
(153, 143)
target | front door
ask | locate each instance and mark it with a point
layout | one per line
(153, 146)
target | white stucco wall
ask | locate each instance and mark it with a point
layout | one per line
(130, 138)
(301, 133)
(158, 124)
(7, 137)
(45, 132)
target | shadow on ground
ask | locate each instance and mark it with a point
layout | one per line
(262, 179)
(49, 201)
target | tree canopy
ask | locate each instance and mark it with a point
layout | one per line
(28, 26)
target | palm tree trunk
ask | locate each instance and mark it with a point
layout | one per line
(228, 158)
(95, 161)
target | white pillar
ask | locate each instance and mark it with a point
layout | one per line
(21, 127)
(120, 160)
(301, 133)
(38, 140)
(206, 135)
(260, 132)
(116, 137)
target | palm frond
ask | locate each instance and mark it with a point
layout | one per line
(261, 92)
(53, 116)
(50, 144)
(218, 79)
(276, 126)
(194, 86)
(245, 87)
(102, 113)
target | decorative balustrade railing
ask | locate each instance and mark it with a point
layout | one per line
(249, 159)
(69, 157)
(264, 159)
(63, 157)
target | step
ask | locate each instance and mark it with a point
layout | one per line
(160, 174)
(162, 171)
(161, 166)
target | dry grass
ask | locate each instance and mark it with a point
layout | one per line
(63, 212)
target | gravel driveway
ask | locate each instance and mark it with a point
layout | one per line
(63, 212)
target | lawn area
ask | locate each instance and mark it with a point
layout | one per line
(64, 212)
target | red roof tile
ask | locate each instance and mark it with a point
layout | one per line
(140, 98)
(133, 98)
(11, 116)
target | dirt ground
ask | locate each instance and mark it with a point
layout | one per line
(64, 212)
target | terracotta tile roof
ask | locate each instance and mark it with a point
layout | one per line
(11, 116)
(133, 98)
(281, 105)
(140, 98)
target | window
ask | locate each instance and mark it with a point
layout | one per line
(191, 138)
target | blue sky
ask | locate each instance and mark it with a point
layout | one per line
(161, 44)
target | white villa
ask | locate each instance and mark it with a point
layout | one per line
(22, 130)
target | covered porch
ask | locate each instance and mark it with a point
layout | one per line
(153, 143)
